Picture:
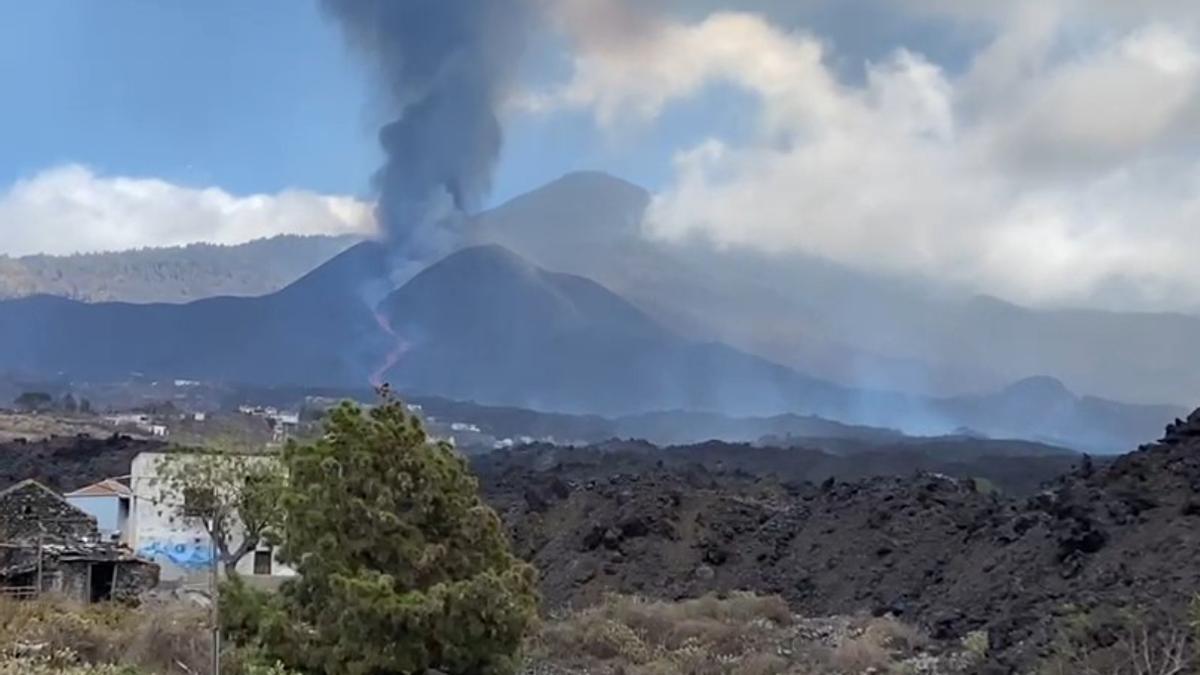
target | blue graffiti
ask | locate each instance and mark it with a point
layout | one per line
(185, 554)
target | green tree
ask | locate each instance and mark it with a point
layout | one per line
(34, 401)
(236, 496)
(402, 567)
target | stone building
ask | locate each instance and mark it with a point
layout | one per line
(49, 545)
(29, 509)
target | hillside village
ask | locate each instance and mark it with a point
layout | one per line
(116, 539)
(129, 521)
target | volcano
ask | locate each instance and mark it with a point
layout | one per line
(485, 324)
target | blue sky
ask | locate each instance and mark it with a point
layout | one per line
(254, 97)
(251, 96)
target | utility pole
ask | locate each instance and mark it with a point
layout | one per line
(41, 542)
(215, 592)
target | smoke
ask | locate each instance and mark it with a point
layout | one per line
(443, 68)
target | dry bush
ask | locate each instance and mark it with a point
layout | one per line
(859, 655)
(33, 666)
(893, 635)
(740, 634)
(877, 645)
(1126, 643)
(164, 640)
(169, 639)
(763, 664)
(706, 636)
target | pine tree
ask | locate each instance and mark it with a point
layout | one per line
(402, 567)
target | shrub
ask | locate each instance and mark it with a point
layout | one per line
(402, 568)
(740, 634)
(705, 636)
(1121, 642)
(859, 655)
(35, 666)
(51, 633)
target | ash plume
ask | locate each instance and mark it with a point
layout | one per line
(443, 67)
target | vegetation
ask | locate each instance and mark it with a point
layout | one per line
(41, 637)
(40, 401)
(402, 567)
(741, 634)
(176, 274)
(234, 495)
(34, 401)
(1127, 642)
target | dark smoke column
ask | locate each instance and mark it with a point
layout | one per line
(444, 66)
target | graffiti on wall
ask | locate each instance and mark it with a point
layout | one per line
(187, 554)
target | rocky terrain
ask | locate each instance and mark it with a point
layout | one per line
(66, 463)
(954, 544)
(946, 553)
(483, 324)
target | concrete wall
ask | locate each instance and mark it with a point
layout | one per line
(108, 512)
(159, 531)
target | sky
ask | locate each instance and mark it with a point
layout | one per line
(1043, 151)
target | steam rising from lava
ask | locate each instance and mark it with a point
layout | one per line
(443, 66)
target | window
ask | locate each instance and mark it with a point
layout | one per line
(262, 563)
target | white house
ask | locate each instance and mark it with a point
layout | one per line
(159, 531)
(128, 419)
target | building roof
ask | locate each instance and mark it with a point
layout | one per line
(109, 487)
(23, 558)
(28, 482)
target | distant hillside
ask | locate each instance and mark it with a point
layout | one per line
(837, 323)
(177, 274)
(486, 325)
(318, 331)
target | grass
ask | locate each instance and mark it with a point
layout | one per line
(1137, 641)
(36, 666)
(55, 636)
(741, 633)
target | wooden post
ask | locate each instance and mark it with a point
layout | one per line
(215, 582)
(40, 542)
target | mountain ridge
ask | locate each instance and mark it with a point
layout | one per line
(486, 325)
(812, 315)
(171, 274)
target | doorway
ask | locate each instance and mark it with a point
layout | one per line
(100, 581)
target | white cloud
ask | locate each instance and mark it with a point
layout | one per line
(1111, 103)
(70, 209)
(1059, 166)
